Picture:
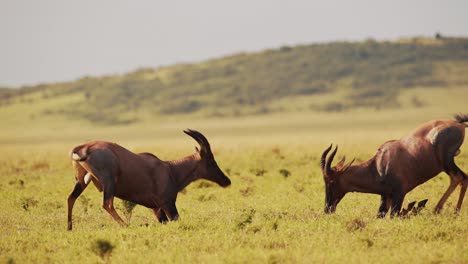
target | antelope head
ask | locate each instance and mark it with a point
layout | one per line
(207, 168)
(334, 187)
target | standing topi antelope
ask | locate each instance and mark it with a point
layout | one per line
(141, 178)
(399, 166)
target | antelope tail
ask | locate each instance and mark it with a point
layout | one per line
(79, 153)
(461, 118)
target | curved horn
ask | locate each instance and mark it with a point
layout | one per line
(324, 155)
(330, 160)
(200, 138)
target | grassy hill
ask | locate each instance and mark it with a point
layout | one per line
(319, 77)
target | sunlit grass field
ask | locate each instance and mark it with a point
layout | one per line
(265, 216)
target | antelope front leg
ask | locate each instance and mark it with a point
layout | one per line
(397, 201)
(171, 211)
(385, 203)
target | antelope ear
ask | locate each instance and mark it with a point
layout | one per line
(341, 163)
(345, 167)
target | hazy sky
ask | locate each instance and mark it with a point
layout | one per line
(47, 40)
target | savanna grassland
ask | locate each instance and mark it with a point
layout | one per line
(272, 212)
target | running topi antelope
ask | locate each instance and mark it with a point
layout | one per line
(141, 178)
(399, 166)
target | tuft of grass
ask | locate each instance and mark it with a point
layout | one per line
(206, 197)
(258, 171)
(245, 219)
(28, 202)
(247, 191)
(204, 184)
(128, 207)
(356, 225)
(103, 249)
(286, 173)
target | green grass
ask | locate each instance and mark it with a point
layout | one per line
(263, 217)
(268, 218)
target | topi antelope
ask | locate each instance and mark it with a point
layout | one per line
(141, 178)
(399, 166)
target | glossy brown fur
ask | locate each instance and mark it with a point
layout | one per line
(400, 165)
(141, 178)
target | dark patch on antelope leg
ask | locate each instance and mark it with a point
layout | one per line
(77, 190)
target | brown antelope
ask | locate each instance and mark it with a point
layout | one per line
(399, 166)
(141, 178)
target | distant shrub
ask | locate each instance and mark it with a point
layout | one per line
(183, 106)
(286, 173)
(416, 102)
(367, 93)
(104, 118)
(333, 107)
(315, 87)
(262, 110)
